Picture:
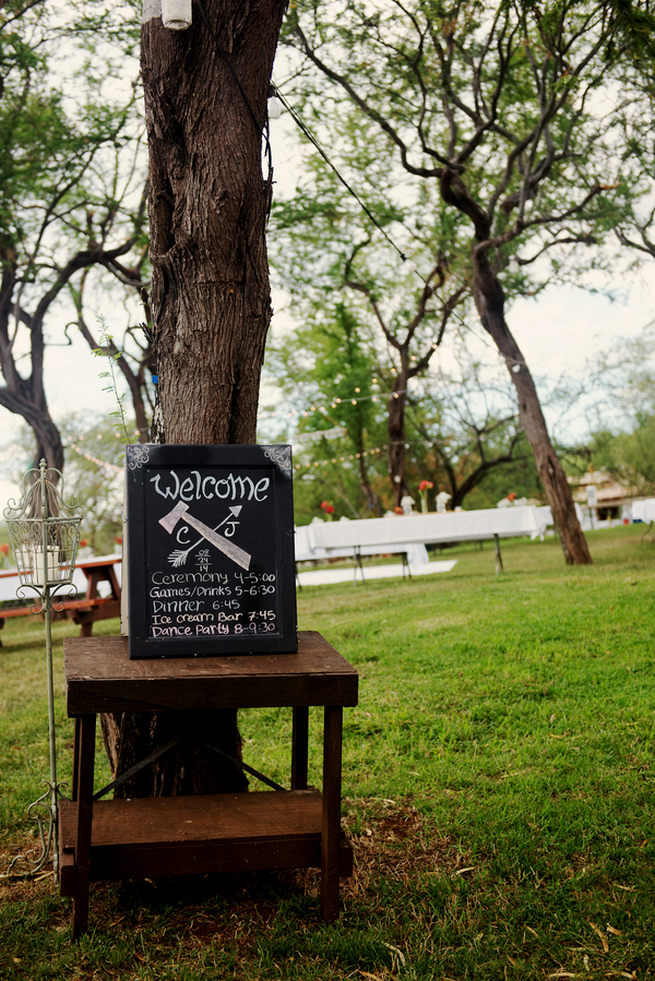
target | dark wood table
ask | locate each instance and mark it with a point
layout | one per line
(296, 828)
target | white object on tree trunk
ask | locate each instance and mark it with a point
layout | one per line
(176, 14)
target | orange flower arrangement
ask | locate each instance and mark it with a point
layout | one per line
(423, 488)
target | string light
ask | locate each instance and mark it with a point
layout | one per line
(337, 400)
(93, 459)
(316, 464)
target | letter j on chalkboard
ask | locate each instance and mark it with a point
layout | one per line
(210, 550)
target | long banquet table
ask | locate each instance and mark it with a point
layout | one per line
(329, 538)
(644, 510)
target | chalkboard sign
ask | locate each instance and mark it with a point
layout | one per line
(210, 550)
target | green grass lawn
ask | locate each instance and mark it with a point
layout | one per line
(498, 789)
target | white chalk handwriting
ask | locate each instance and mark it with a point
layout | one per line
(197, 486)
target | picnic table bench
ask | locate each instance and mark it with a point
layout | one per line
(306, 551)
(90, 574)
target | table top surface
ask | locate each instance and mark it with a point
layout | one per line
(100, 677)
(98, 562)
(425, 528)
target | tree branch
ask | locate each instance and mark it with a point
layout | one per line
(365, 107)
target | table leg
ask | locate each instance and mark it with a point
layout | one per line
(499, 558)
(83, 795)
(299, 747)
(76, 760)
(113, 582)
(331, 821)
(358, 563)
(92, 580)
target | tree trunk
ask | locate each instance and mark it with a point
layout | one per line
(372, 501)
(396, 430)
(490, 303)
(48, 439)
(49, 446)
(206, 92)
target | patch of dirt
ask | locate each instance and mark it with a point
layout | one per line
(391, 840)
(18, 888)
(396, 842)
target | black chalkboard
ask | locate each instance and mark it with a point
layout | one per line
(210, 550)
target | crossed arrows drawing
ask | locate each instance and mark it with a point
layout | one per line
(181, 513)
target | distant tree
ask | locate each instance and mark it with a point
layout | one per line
(326, 370)
(623, 377)
(465, 429)
(497, 109)
(623, 417)
(93, 476)
(326, 245)
(404, 333)
(60, 216)
(133, 355)
(629, 455)
(460, 423)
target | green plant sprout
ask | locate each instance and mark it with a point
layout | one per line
(109, 350)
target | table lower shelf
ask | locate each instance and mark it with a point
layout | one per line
(223, 833)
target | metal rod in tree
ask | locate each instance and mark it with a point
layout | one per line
(45, 534)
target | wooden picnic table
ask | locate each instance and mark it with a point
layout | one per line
(85, 610)
(94, 607)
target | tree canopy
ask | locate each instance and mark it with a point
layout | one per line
(72, 185)
(503, 112)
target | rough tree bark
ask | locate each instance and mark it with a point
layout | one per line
(206, 92)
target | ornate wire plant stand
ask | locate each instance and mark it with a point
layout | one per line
(45, 534)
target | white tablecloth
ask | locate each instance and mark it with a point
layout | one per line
(417, 553)
(644, 510)
(449, 526)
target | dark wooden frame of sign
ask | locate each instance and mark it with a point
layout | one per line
(266, 537)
